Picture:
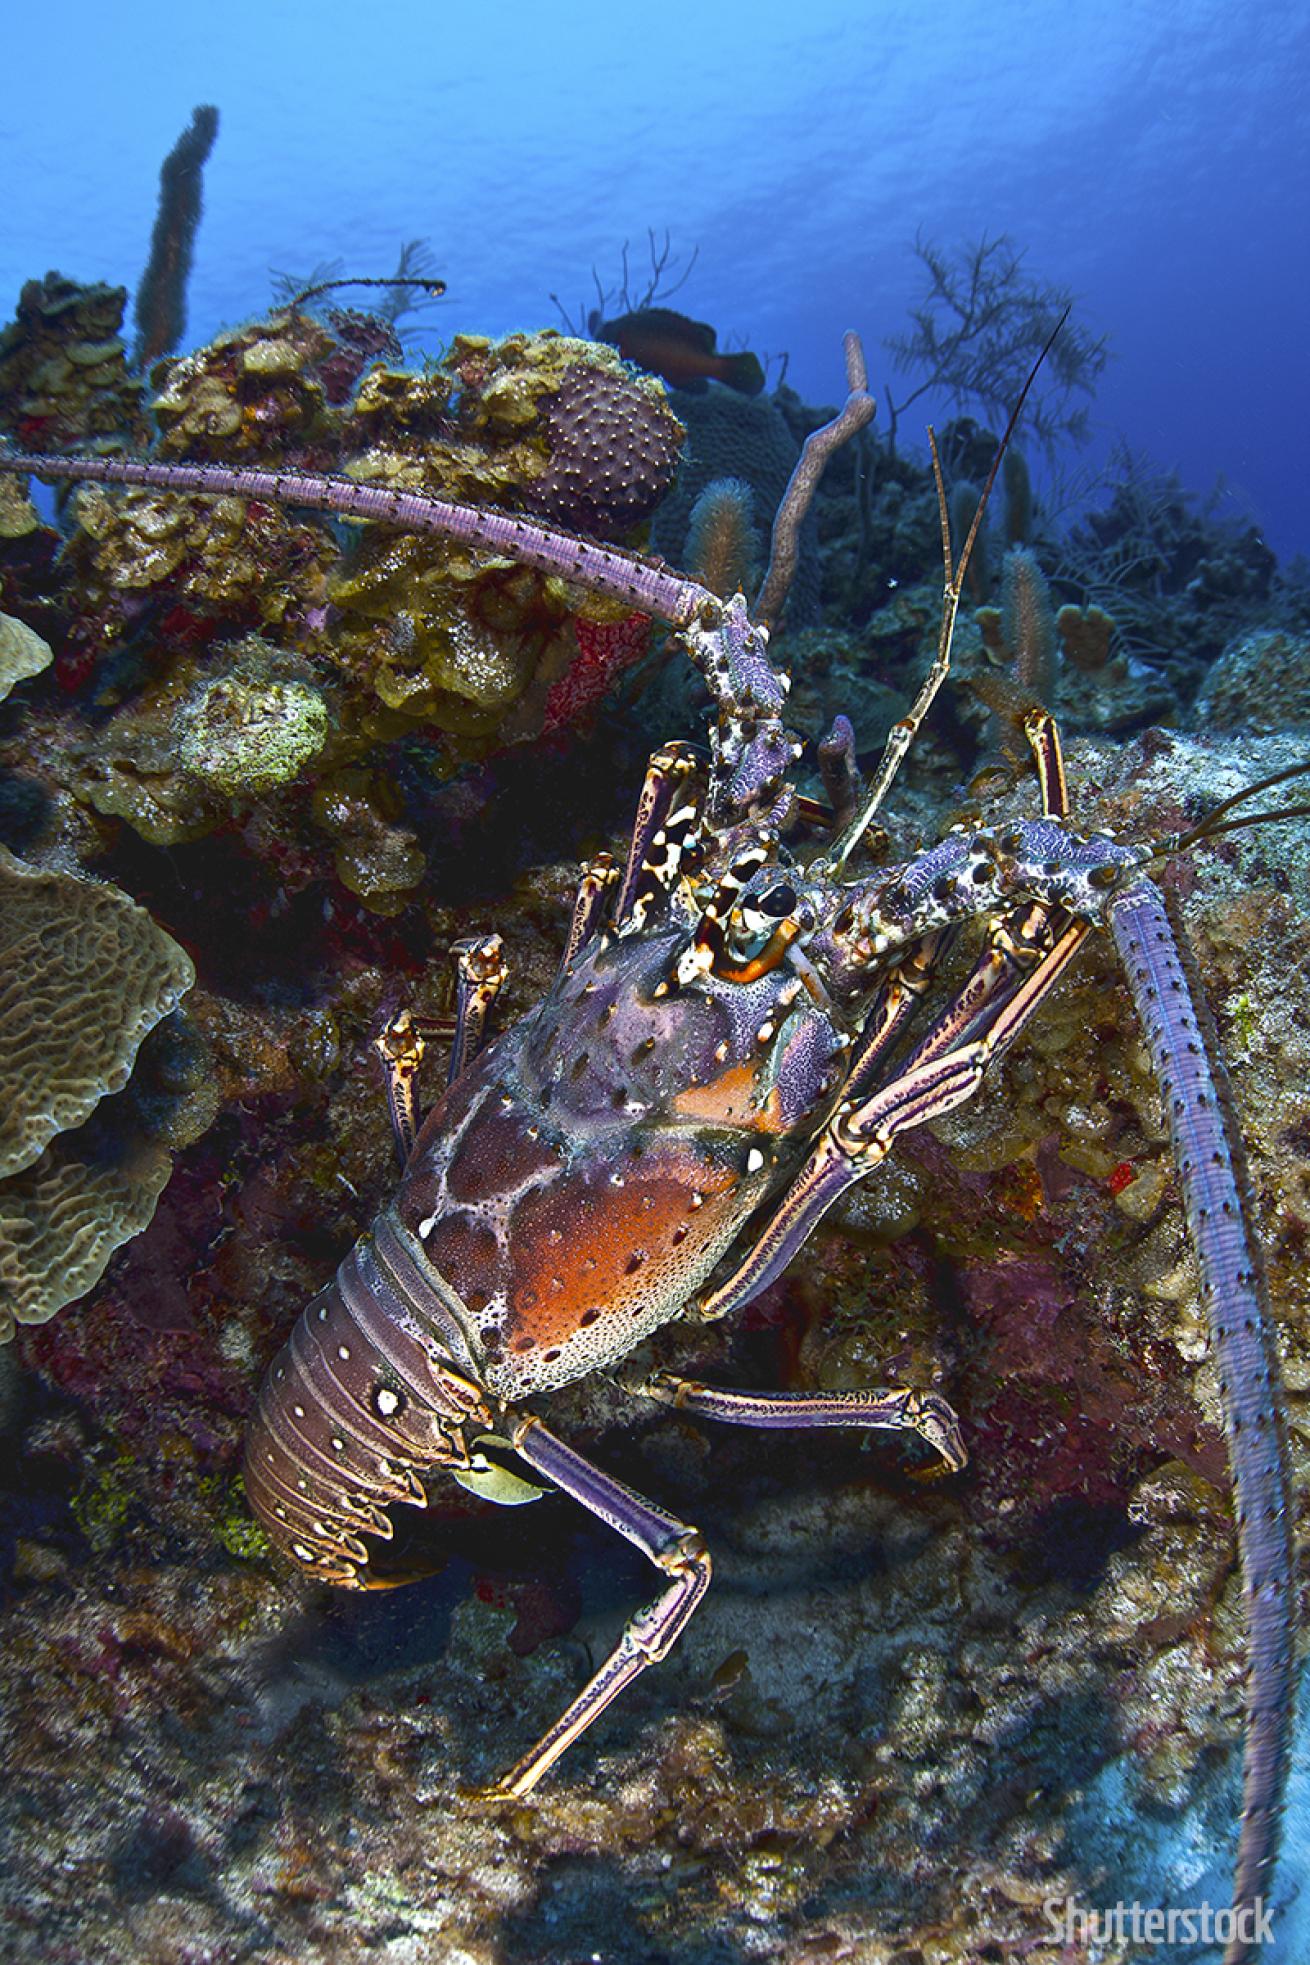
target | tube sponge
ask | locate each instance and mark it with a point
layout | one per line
(160, 310)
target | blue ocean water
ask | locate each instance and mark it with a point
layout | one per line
(1152, 158)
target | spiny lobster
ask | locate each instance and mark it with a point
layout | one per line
(721, 1056)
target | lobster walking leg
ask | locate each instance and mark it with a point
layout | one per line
(480, 972)
(667, 773)
(479, 977)
(671, 1545)
(898, 1409)
(400, 1048)
(588, 907)
(857, 1140)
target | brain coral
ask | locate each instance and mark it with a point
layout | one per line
(95, 1188)
(85, 974)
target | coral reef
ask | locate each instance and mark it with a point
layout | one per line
(906, 1715)
(743, 437)
(1026, 1678)
(1178, 581)
(64, 379)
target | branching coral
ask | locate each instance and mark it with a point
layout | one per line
(976, 330)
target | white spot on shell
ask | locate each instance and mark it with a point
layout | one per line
(386, 1401)
(425, 1228)
(754, 1160)
(343, 1351)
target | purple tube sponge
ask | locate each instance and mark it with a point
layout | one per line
(160, 310)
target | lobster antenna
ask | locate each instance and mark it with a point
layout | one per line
(1214, 822)
(433, 288)
(1248, 819)
(902, 734)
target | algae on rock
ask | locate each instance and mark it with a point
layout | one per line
(23, 653)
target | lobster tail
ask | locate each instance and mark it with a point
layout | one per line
(374, 1384)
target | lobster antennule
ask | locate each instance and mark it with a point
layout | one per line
(902, 734)
(1214, 823)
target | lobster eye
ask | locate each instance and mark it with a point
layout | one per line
(778, 901)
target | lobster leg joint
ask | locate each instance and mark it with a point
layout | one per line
(674, 1547)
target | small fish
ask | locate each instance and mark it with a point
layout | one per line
(681, 350)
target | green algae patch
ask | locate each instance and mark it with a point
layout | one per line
(245, 735)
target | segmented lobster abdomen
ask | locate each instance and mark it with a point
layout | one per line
(373, 1385)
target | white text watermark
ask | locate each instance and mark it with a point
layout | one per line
(1073, 1923)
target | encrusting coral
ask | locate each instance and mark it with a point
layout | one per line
(245, 732)
(22, 653)
(64, 378)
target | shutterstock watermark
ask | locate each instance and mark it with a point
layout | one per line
(1201, 1924)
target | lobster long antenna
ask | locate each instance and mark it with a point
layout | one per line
(1216, 1193)
(902, 734)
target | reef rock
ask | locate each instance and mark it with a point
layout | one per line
(1260, 683)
